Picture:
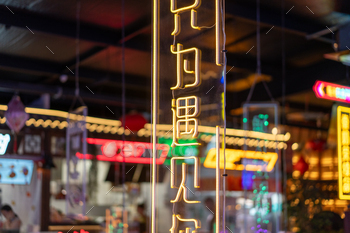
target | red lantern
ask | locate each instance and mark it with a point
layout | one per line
(134, 122)
(301, 166)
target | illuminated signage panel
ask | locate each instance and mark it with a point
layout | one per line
(266, 160)
(332, 91)
(126, 151)
(188, 71)
(343, 117)
(16, 171)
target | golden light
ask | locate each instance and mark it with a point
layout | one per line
(274, 131)
(296, 174)
(295, 146)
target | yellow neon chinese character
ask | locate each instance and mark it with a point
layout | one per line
(196, 170)
(183, 65)
(175, 223)
(182, 191)
(177, 12)
(346, 169)
(345, 137)
(346, 153)
(185, 109)
(345, 121)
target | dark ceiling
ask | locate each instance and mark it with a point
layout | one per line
(38, 47)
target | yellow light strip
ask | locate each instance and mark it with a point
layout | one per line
(177, 25)
(58, 113)
(144, 132)
(194, 20)
(173, 6)
(217, 188)
(217, 33)
(63, 124)
(155, 77)
(230, 132)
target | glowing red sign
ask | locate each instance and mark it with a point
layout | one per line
(332, 91)
(125, 151)
(81, 231)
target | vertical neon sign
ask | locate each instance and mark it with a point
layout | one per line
(179, 65)
(343, 121)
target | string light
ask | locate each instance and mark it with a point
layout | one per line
(111, 126)
(114, 130)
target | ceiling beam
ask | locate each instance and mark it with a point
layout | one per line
(47, 24)
(273, 17)
(56, 91)
(105, 36)
(42, 66)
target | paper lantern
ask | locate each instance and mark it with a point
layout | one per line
(133, 122)
(15, 115)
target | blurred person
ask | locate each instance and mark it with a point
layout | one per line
(12, 220)
(141, 218)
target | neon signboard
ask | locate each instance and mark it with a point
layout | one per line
(332, 91)
(343, 122)
(126, 151)
(15, 171)
(81, 231)
(233, 157)
(185, 105)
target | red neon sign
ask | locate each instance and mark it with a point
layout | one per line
(332, 91)
(125, 151)
(81, 231)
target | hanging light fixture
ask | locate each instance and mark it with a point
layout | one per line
(16, 116)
